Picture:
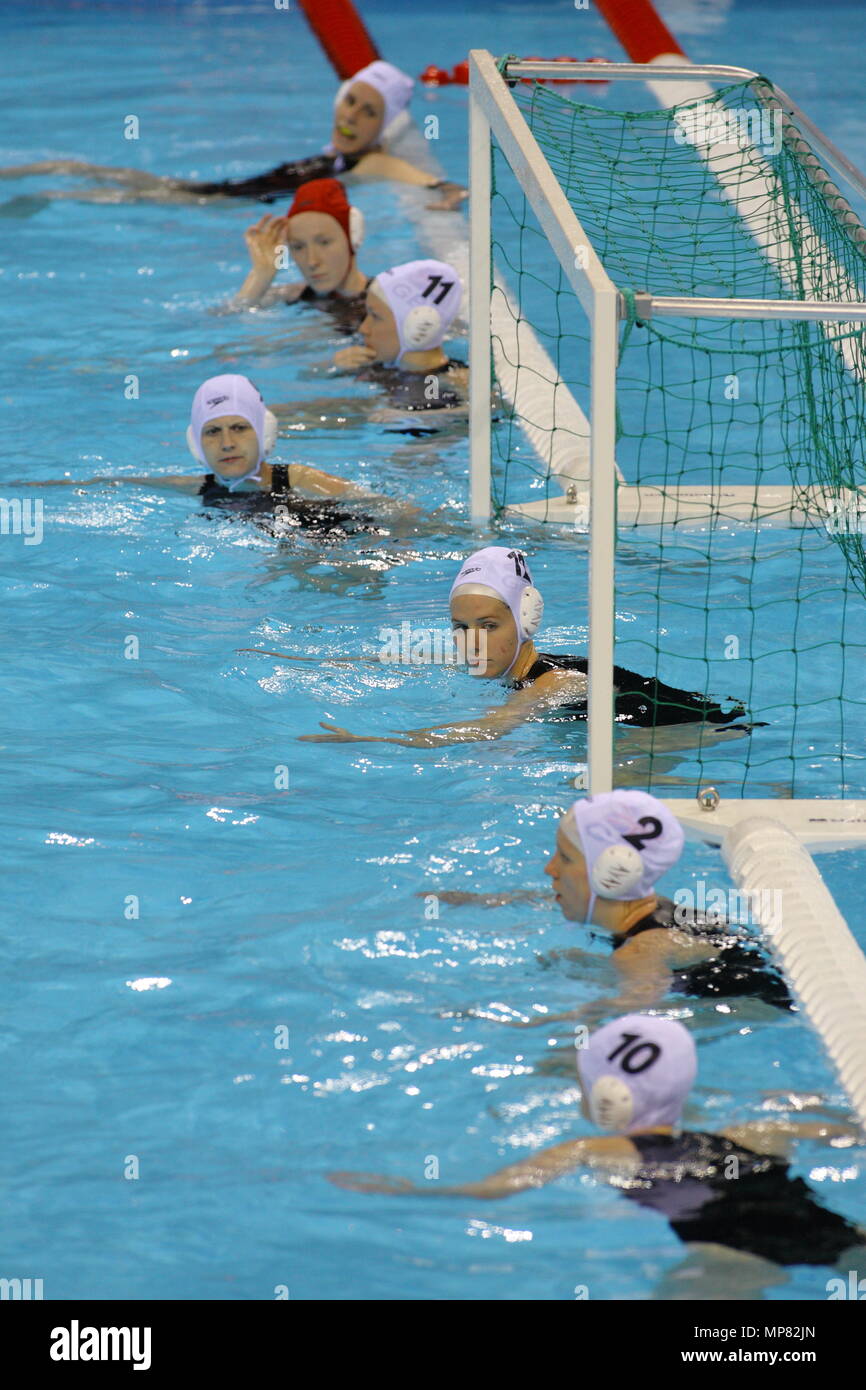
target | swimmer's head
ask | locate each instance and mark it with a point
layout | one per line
(230, 430)
(410, 309)
(367, 107)
(612, 847)
(495, 609)
(324, 233)
(636, 1073)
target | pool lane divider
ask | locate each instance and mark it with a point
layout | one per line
(342, 34)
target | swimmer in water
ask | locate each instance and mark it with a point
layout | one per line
(323, 233)
(410, 309)
(231, 432)
(611, 850)
(729, 1196)
(495, 613)
(367, 112)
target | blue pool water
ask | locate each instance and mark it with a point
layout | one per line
(149, 1040)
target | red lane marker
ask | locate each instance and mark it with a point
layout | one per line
(643, 35)
(340, 30)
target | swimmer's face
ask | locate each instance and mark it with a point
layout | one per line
(567, 870)
(230, 446)
(357, 119)
(320, 250)
(485, 633)
(379, 330)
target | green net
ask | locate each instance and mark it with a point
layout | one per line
(715, 199)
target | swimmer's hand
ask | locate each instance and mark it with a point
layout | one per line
(351, 358)
(452, 195)
(372, 1182)
(337, 735)
(264, 241)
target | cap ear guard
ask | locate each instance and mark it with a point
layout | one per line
(394, 129)
(356, 227)
(270, 432)
(531, 610)
(421, 327)
(190, 444)
(611, 1103)
(616, 872)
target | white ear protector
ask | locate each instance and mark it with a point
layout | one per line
(618, 870)
(611, 1103)
(421, 326)
(395, 128)
(356, 227)
(531, 610)
(270, 439)
(270, 432)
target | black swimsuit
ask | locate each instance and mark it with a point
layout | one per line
(751, 1205)
(285, 178)
(348, 312)
(739, 970)
(641, 701)
(281, 509)
(408, 390)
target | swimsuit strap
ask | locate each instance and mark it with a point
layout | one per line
(280, 477)
(647, 924)
(549, 662)
(662, 919)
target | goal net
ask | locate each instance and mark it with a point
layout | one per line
(673, 307)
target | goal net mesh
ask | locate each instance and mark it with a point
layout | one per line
(706, 199)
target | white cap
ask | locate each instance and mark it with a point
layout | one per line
(424, 297)
(637, 1071)
(629, 839)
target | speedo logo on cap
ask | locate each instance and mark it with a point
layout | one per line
(216, 400)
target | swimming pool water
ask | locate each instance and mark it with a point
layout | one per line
(169, 905)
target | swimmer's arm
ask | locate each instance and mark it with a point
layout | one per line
(378, 165)
(541, 1168)
(266, 298)
(644, 980)
(184, 482)
(322, 484)
(501, 719)
(775, 1136)
(325, 485)
(520, 706)
(458, 897)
